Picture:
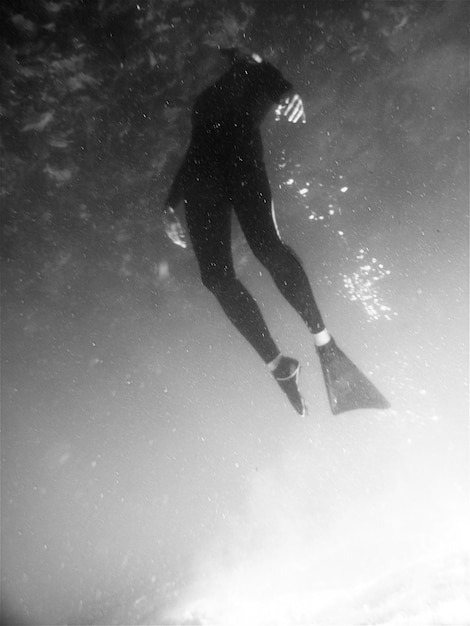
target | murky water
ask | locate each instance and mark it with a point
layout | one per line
(151, 471)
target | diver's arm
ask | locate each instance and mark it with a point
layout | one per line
(292, 107)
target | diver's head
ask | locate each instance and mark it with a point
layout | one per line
(240, 54)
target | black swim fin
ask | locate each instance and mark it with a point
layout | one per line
(287, 377)
(347, 387)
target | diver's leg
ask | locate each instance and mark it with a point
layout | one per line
(256, 216)
(209, 225)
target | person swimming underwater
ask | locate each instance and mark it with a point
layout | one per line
(223, 171)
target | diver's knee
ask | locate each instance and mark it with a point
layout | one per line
(218, 284)
(273, 256)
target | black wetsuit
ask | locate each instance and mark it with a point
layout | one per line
(223, 171)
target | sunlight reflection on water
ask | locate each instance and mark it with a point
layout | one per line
(362, 286)
(430, 590)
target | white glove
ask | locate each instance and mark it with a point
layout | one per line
(173, 227)
(291, 107)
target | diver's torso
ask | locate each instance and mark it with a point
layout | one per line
(226, 140)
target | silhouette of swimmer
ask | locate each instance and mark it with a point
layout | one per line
(223, 171)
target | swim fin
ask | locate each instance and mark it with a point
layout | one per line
(287, 377)
(347, 387)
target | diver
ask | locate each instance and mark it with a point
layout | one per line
(223, 171)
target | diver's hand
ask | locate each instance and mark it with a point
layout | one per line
(173, 227)
(292, 107)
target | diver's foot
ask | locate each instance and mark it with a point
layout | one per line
(287, 377)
